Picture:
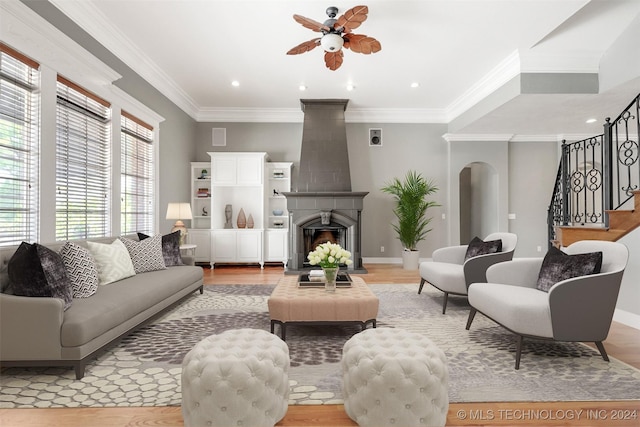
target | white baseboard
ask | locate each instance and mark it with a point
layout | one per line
(389, 260)
(627, 318)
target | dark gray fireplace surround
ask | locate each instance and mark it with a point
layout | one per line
(322, 205)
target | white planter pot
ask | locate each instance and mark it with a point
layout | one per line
(410, 260)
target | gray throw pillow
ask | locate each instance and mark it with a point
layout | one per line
(146, 254)
(81, 269)
(558, 266)
(37, 271)
(170, 248)
(477, 246)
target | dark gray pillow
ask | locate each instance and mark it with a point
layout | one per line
(558, 266)
(170, 248)
(37, 271)
(477, 246)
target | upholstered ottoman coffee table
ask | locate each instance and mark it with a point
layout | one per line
(237, 378)
(394, 377)
(291, 304)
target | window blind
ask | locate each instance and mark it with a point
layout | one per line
(19, 130)
(82, 163)
(136, 176)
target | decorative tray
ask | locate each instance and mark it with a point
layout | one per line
(342, 281)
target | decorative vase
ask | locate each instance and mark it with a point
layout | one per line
(242, 220)
(330, 275)
(250, 222)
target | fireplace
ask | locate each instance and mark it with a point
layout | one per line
(323, 207)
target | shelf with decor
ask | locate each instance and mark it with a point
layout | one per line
(200, 232)
(277, 224)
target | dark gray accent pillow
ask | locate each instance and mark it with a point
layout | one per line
(477, 246)
(37, 271)
(558, 266)
(170, 248)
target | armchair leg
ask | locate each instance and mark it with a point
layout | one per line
(472, 315)
(444, 303)
(603, 352)
(421, 285)
(518, 350)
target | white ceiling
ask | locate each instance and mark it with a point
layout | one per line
(458, 51)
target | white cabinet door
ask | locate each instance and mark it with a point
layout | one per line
(201, 238)
(249, 246)
(250, 170)
(223, 246)
(223, 170)
(276, 246)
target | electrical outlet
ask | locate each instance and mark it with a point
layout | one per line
(539, 248)
(381, 248)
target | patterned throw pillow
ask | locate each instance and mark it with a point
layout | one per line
(145, 254)
(558, 266)
(170, 248)
(113, 261)
(37, 271)
(477, 246)
(81, 269)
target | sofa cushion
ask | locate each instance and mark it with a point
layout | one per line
(146, 254)
(81, 269)
(558, 266)
(170, 248)
(37, 271)
(477, 247)
(121, 301)
(113, 261)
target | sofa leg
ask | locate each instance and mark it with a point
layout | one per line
(421, 285)
(518, 350)
(201, 290)
(79, 368)
(603, 352)
(444, 303)
(472, 315)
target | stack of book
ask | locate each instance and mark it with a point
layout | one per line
(203, 192)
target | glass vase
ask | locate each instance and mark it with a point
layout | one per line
(330, 275)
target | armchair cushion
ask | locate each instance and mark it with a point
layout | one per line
(477, 246)
(558, 266)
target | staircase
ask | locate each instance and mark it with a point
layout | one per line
(596, 195)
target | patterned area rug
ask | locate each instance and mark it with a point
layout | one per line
(144, 368)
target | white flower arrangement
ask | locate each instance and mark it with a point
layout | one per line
(329, 255)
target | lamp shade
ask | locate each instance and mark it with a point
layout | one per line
(332, 42)
(179, 211)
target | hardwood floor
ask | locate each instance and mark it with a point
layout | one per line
(623, 343)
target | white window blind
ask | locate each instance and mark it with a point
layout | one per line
(82, 163)
(19, 130)
(136, 176)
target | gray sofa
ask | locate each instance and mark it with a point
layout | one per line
(36, 331)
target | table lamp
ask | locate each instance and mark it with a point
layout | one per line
(179, 211)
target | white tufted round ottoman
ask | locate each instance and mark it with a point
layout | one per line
(394, 377)
(237, 378)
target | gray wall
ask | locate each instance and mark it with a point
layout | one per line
(405, 147)
(621, 62)
(177, 132)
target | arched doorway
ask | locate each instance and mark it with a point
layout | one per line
(478, 194)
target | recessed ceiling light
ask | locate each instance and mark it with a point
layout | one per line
(591, 120)
(235, 83)
(350, 87)
(415, 84)
(302, 87)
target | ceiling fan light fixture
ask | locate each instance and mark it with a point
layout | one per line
(332, 42)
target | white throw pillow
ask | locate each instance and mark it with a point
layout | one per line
(146, 254)
(81, 269)
(113, 261)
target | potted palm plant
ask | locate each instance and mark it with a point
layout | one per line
(411, 211)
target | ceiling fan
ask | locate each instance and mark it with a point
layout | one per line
(336, 34)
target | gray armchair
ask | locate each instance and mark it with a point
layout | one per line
(451, 274)
(575, 309)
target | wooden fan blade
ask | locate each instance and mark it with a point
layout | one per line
(304, 47)
(333, 60)
(361, 43)
(352, 18)
(310, 24)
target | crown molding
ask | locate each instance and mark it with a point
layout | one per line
(93, 21)
(461, 137)
(536, 138)
(29, 33)
(395, 115)
(265, 115)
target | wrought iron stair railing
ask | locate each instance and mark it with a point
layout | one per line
(597, 174)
